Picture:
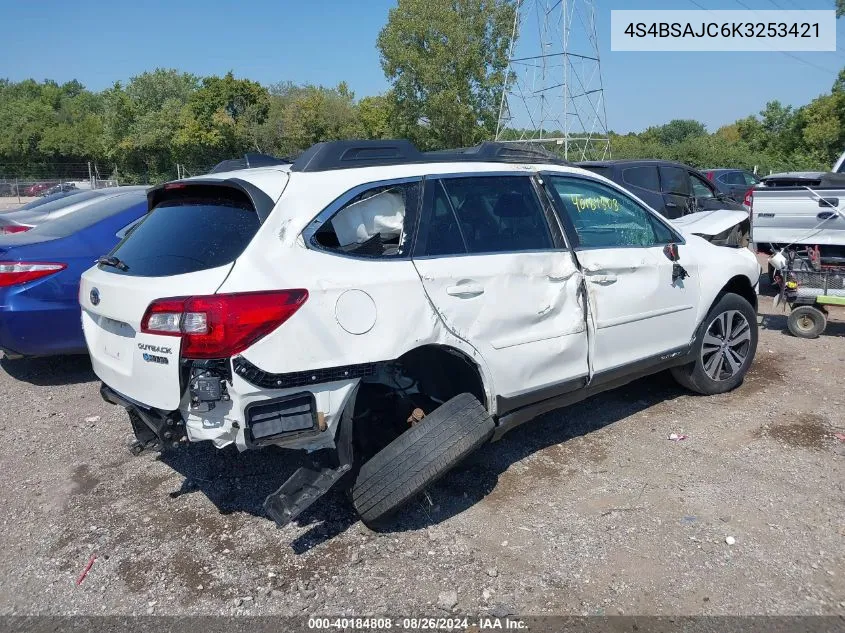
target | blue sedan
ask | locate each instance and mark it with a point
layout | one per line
(40, 271)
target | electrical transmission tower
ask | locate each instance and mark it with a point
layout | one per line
(554, 94)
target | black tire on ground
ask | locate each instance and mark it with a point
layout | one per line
(728, 364)
(420, 456)
(806, 322)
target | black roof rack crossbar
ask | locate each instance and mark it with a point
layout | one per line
(331, 155)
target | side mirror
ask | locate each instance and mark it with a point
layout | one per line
(671, 252)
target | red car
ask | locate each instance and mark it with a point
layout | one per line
(38, 188)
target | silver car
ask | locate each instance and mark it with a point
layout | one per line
(34, 214)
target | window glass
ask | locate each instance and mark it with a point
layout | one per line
(605, 217)
(63, 195)
(498, 214)
(732, 178)
(186, 235)
(373, 224)
(749, 179)
(674, 180)
(92, 213)
(643, 177)
(700, 189)
(440, 233)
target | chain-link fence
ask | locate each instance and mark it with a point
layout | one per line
(20, 184)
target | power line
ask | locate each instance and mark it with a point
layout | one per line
(787, 53)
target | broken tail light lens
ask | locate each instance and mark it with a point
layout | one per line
(14, 273)
(221, 326)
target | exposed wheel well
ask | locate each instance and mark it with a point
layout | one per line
(740, 285)
(404, 390)
(444, 372)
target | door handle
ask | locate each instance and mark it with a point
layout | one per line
(465, 290)
(826, 215)
(828, 202)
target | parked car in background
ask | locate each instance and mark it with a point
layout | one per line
(38, 188)
(8, 189)
(734, 183)
(38, 211)
(40, 270)
(671, 189)
(60, 188)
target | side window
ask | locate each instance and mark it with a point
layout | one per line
(440, 233)
(643, 177)
(749, 179)
(700, 189)
(606, 218)
(490, 214)
(375, 223)
(674, 180)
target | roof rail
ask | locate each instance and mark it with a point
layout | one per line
(249, 161)
(331, 155)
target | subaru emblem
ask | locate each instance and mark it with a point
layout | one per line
(95, 296)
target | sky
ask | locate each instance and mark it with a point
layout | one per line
(328, 41)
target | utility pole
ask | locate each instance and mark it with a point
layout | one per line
(553, 94)
(91, 176)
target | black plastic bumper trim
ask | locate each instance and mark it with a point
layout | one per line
(266, 380)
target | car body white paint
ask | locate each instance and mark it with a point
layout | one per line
(709, 223)
(527, 331)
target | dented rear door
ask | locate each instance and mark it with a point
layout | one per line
(501, 279)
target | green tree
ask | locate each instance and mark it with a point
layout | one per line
(376, 116)
(676, 131)
(447, 61)
(219, 120)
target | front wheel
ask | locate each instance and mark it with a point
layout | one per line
(724, 348)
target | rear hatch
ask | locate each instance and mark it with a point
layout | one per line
(184, 247)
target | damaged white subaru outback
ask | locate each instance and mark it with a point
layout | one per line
(390, 311)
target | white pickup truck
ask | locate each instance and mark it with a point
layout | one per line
(801, 209)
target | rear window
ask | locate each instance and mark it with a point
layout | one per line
(57, 196)
(91, 214)
(186, 235)
(51, 203)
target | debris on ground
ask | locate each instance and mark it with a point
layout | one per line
(86, 569)
(676, 437)
(730, 540)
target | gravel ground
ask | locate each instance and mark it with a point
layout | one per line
(590, 510)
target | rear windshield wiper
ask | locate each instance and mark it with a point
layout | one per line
(112, 261)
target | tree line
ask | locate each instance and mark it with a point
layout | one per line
(446, 64)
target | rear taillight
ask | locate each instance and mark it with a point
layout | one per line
(709, 175)
(14, 273)
(13, 228)
(220, 326)
(748, 201)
